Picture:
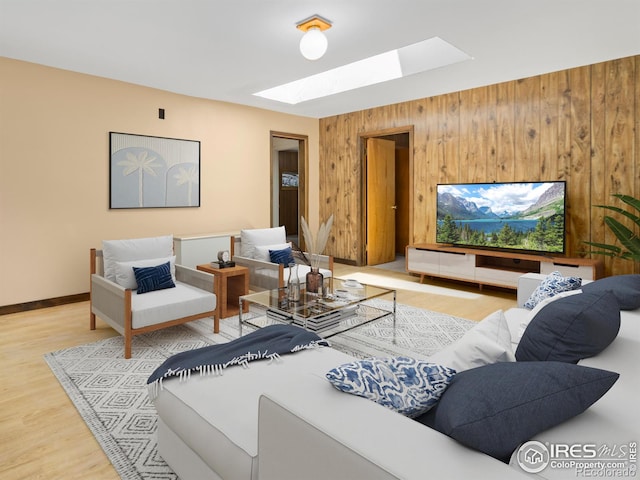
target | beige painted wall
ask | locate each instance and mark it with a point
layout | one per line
(54, 177)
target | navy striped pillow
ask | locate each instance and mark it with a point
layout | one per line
(153, 278)
(284, 256)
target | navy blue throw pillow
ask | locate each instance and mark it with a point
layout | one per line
(626, 289)
(153, 278)
(284, 256)
(571, 328)
(497, 407)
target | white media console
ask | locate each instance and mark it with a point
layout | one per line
(488, 267)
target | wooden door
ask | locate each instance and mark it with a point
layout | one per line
(380, 201)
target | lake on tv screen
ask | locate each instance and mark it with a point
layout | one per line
(490, 226)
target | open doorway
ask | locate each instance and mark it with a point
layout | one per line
(288, 182)
(387, 184)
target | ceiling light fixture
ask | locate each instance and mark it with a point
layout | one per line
(313, 43)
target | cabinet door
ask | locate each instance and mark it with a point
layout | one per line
(494, 276)
(456, 265)
(422, 261)
(581, 271)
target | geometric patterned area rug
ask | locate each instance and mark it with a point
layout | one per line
(111, 396)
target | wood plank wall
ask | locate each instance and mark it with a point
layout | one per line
(580, 125)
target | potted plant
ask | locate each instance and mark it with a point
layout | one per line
(630, 249)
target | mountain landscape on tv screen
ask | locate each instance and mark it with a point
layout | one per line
(524, 216)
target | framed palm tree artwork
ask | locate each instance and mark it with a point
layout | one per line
(153, 172)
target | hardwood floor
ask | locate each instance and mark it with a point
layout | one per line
(42, 436)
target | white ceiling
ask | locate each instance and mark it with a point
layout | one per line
(228, 50)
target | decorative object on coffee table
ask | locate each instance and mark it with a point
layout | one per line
(293, 283)
(315, 246)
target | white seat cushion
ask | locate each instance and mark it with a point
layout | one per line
(169, 304)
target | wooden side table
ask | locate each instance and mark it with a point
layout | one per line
(233, 283)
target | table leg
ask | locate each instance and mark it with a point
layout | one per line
(394, 317)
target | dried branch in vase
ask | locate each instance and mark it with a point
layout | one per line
(316, 243)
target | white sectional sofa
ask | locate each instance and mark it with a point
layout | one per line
(285, 420)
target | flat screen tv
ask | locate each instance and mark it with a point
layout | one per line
(526, 216)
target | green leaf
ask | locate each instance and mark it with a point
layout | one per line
(626, 237)
(629, 215)
(612, 249)
(629, 200)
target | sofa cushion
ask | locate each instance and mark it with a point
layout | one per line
(284, 256)
(408, 386)
(261, 252)
(571, 328)
(133, 249)
(150, 279)
(488, 342)
(533, 312)
(164, 305)
(124, 270)
(551, 285)
(496, 407)
(249, 238)
(626, 289)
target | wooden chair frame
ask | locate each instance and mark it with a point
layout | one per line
(112, 302)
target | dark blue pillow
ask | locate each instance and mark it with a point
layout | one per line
(284, 256)
(626, 289)
(496, 407)
(153, 278)
(571, 328)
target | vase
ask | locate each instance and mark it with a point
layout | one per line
(293, 284)
(314, 281)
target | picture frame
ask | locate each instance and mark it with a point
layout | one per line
(289, 180)
(153, 172)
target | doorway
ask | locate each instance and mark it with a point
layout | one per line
(288, 182)
(387, 185)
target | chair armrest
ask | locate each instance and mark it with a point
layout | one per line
(272, 275)
(326, 261)
(196, 278)
(306, 425)
(108, 301)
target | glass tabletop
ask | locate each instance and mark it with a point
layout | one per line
(339, 308)
(341, 293)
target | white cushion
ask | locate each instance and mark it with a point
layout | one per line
(127, 279)
(250, 238)
(134, 249)
(161, 306)
(262, 252)
(486, 343)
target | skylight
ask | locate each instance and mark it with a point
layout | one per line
(419, 57)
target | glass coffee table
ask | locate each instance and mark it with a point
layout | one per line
(340, 309)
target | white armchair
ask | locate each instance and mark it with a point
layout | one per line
(117, 297)
(264, 274)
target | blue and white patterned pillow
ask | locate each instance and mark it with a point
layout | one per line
(553, 284)
(409, 386)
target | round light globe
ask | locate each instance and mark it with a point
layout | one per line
(313, 44)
